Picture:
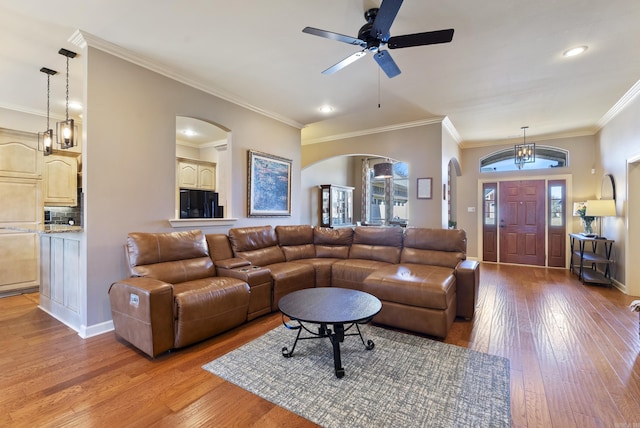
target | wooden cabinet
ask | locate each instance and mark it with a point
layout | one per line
(20, 211)
(336, 205)
(198, 175)
(61, 180)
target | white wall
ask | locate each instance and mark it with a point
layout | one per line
(617, 142)
(129, 162)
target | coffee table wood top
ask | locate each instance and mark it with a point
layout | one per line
(329, 305)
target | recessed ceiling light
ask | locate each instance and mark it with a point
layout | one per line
(326, 109)
(189, 132)
(75, 105)
(574, 51)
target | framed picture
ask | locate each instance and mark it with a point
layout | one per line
(268, 185)
(424, 188)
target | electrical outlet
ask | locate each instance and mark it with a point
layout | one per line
(471, 209)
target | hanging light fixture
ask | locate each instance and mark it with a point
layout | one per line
(383, 170)
(67, 130)
(524, 153)
(47, 136)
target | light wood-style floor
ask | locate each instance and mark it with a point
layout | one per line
(574, 352)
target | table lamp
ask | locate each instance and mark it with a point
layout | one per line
(601, 208)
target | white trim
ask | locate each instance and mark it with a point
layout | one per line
(370, 131)
(201, 222)
(96, 329)
(82, 39)
(448, 125)
(622, 103)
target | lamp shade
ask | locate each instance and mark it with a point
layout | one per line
(383, 170)
(601, 208)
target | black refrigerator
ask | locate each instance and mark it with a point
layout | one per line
(199, 204)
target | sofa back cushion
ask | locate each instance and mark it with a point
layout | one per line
(171, 257)
(439, 247)
(296, 242)
(383, 244)
(219, 247)
(332, 243)
(257, 244)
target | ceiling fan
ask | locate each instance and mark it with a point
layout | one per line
(375, 33)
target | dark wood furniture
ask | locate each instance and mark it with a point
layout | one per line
(591, 258)
(329, 306)
(336, 206)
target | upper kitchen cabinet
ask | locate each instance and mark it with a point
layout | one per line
(61, 180)
(194, 174)
(19, 155)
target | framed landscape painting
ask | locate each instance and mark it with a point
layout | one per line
(269, 185)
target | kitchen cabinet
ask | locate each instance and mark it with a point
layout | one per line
(20, 211)
(60, 292)
(61, 180)
(199, 175)
(336, 205)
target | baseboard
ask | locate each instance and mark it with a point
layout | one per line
(95, 329)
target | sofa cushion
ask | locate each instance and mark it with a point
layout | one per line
(377, 243)
(170, 257)
(332, 243)
(257, 244)
(413, 285)
(350, 273)
(438, 247)
(296, 242)
(209, 306)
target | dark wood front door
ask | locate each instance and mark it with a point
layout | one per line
(522, 222)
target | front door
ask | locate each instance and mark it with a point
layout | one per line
(522, 222)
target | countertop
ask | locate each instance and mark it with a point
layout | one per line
(47, 228)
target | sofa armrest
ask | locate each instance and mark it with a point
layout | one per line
(142, 310)
(232, 263)
(467, 283)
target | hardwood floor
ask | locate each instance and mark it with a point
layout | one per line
(574, 352)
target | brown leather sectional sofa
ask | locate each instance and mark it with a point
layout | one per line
(187, 286)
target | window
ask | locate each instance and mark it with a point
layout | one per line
(489, 209)
(389, 197)
(556, 205)
(546, 157)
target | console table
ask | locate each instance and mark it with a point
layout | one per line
(585, 258)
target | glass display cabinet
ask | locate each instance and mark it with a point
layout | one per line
(336, 206)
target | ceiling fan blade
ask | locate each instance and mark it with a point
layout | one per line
(334, 36)
(386, 14)
(342, 64)
(421, 39)
(386, 63)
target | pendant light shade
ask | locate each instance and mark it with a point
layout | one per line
(66, 131)
(383, 170)
(47, 136)
(524, 153)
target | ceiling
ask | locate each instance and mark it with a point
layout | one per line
(503, 70)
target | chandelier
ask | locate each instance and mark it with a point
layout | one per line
(525, 152)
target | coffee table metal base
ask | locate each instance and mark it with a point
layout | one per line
(335, 335)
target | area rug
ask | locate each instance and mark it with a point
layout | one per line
(404, 381)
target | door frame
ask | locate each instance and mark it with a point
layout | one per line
(568, 216)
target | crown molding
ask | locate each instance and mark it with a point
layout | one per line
(618, 107)
(448, 125)
(379, 130)
(588, 132)
(83, 39)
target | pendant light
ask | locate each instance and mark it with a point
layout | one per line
(67, 130)
(524, 153)
(383, 170)
(47, 136)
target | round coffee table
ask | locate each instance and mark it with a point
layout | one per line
(329, 306)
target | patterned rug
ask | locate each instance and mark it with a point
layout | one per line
(404, 381)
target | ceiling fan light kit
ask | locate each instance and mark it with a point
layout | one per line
(375, 34)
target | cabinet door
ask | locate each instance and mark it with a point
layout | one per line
(18, 260)
(61, 181)
(187, 175)
(207, 177)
